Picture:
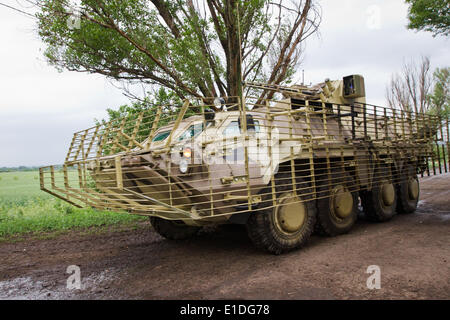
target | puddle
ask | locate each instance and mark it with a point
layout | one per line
(426, 208)
(432, 176)
(23, 288)
(26, 288)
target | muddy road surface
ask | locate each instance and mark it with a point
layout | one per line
(412, 252)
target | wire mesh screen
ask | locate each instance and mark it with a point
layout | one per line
(208, 161)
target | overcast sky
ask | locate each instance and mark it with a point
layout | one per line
(41, 108)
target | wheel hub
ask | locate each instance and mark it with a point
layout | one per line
(388, 194)
(413, 189)
(342, 202)
(290, 213)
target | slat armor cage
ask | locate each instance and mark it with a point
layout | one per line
(205, 162)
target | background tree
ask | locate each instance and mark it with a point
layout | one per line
(440, 98)
(409, 90)
(191, 47)
(415, 89)
(429, 15)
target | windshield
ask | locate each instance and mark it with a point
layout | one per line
(233, 130)
(161, 136)
(193, 131)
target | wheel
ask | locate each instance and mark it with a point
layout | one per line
(289, 224)
(380, 203)
(173, 230)
(337, 204)
(408, 191)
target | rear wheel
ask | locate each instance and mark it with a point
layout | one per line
(337, 206)
(408, 191)
(380, 203)
(289, 223)
(173, 230)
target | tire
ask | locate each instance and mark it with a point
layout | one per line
(278, 229)
(380, 203)
(337, 206)
(173, 230)
(408, 191)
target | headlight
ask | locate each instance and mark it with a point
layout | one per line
(184, 166)
(187, 152)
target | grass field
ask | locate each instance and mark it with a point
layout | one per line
(25, 209)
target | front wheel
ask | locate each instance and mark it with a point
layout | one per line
(285, 225)
(173, 230)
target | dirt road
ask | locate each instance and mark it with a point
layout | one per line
(412, 251)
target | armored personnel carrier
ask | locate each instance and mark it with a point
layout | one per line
(284, 161)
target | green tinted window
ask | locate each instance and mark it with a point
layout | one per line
(233, 130)
(161, 136)
(192, 131)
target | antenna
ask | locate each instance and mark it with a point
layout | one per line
(239, 34)
(241, 78)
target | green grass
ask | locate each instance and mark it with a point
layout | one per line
(20, 186)
(25, 209)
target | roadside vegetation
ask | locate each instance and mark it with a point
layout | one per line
(25, 210)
